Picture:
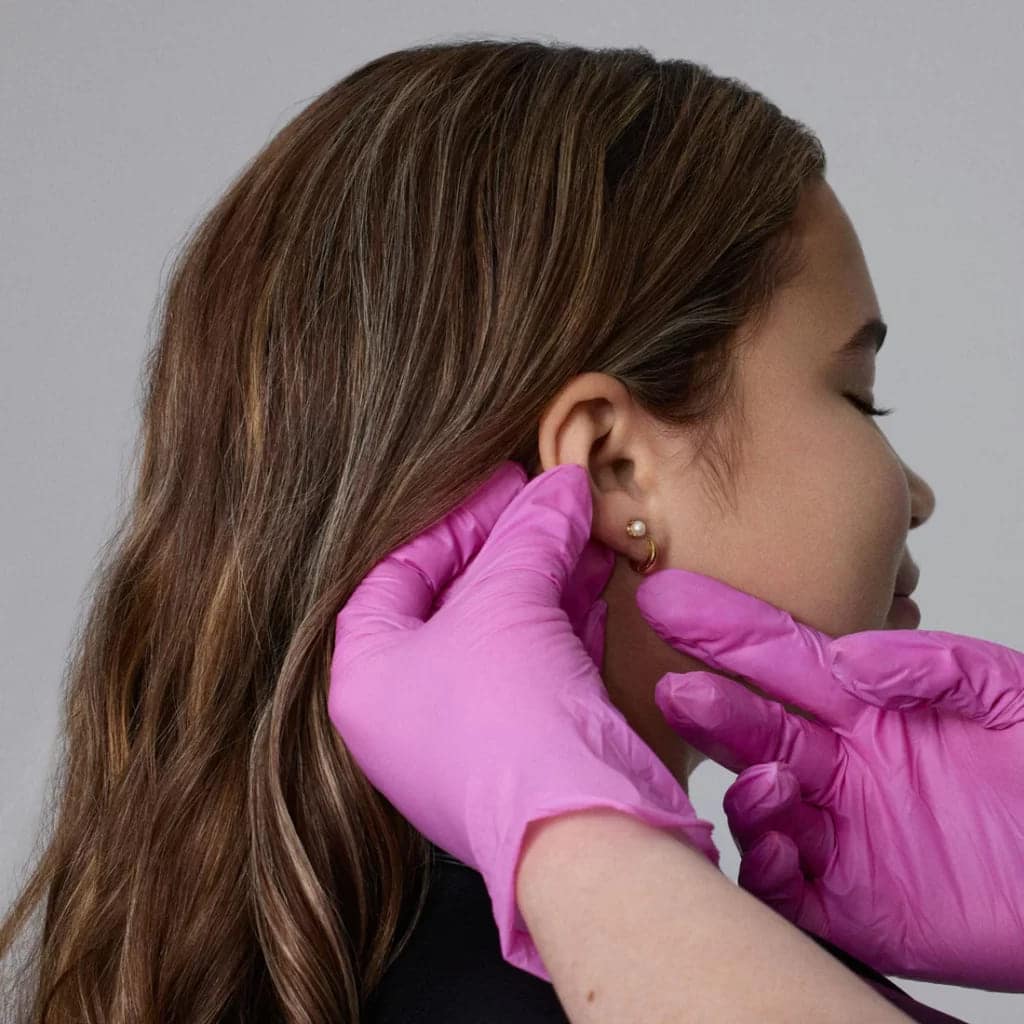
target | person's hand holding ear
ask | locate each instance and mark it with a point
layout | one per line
(465, 681)
(893, 825)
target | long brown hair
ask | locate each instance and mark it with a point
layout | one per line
(370, 319)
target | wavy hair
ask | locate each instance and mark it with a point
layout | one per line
(363, 326)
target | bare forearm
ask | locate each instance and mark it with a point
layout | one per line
(636, 925)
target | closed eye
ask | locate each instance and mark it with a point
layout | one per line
(866, 407)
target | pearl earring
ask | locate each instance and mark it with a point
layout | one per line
(638, 528)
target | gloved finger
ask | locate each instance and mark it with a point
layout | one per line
(767, 798)
(586, 583)
(536, 544)
(737, 728)
(592, 631)
(770, 870)
(901, 669)
(400, 590)
(735, 632)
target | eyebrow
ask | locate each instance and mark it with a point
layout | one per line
(869, 335)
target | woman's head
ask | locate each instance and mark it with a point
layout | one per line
(820, 504)
(382, 308)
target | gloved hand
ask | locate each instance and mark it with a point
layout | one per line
(487, 712)
(893, 825)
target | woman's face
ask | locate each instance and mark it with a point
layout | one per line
(823, 503)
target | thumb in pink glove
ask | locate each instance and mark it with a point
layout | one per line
(894, 824)
(487, 712)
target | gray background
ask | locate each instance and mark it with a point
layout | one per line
(122, 122)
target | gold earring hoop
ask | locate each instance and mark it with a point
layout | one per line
(638, 528)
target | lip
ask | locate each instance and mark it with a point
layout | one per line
(907, 580)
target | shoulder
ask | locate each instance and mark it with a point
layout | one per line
(452, 970)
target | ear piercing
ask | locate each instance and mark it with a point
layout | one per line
(638, 528)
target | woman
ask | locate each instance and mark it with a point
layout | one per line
(450, 248)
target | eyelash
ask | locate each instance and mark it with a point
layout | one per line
(866, 407)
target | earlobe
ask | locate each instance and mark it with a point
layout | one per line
(616, 525)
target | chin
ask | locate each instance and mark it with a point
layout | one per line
(904, 614)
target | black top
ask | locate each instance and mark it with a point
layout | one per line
(452, 971)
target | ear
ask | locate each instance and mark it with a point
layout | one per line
(594, 422)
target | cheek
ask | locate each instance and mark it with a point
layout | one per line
(892, 494)
(858, 516)
(824, 513)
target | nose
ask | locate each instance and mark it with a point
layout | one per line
(922, 498)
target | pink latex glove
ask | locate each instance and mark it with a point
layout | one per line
(894, 825)
(489, 712)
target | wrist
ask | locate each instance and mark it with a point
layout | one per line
(577, 847)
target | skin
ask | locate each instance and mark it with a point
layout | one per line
(823, 502)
